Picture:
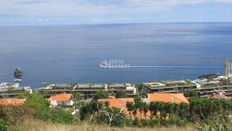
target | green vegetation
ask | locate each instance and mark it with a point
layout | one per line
(191, 93)
(139, 86)
(112, 116)
(201, 113)
(4, 125)
(121, 94)
(101, 94)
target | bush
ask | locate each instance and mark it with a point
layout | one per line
(39, 106)
(191, 93)
(147, 123)
(181, 123)
(101, 94)
(121, 94)
(128, 122)
(58, 115)
(136, 122)
(4, 125)
(87, 109)
(15, 114)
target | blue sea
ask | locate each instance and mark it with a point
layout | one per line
(71, 54)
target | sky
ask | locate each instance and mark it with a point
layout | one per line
(68, 12)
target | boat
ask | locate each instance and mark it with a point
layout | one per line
(18, 72)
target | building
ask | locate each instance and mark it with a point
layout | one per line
(169, 86)
(61, 99)
(117, 102)
(12, 102)
(228, 68)
(11, 90)
(89, 90)
(220, 95)
(120, 103)
(167, 97)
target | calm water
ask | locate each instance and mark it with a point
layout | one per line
(71, 54)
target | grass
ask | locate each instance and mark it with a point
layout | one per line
(35, 125)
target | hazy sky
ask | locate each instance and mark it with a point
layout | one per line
(43, 12)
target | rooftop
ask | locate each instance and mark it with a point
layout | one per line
(167, 97)
(61, 97)
(121, 104)
(169, 83)
(12, 102)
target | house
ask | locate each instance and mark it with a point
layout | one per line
(12, 102)
(220, 95)
(121, 104)
(61, 99)
(167, 97)
(117, 102)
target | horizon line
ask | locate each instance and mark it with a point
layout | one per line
(95, 24)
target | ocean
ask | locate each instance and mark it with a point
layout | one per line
(72, 54)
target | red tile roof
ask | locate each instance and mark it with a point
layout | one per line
(121, 104)
(117, 102)
(61, 97)
(220, 97)
(12, 102)
(167, 97)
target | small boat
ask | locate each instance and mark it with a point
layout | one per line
(18, 72)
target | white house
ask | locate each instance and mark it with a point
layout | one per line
(61, 99)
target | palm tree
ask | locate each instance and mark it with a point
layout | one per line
(130, 107)
(139, 105)
(145, 109)
(154, 108)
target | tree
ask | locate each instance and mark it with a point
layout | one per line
(191, 93)
(112, 115)
(39, 105)
(130, 107)
(139, 105)
(87, 109)
(121, 94)
(145, 109)
(139, 86)
(154, 108)
(77, 97)
(101, 94)
(183, 110)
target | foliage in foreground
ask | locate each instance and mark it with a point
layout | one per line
(199, 111)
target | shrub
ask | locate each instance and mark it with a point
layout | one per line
(181, 123)
(15, 114)
(58, 115)
(87, 109)
(121, 94)
(4, 125)
(128, 122)
(39, 106)
(136, 123)
(147, 123)
(101, 94)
